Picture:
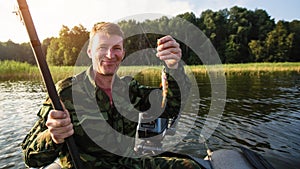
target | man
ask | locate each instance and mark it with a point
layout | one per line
(97, 116)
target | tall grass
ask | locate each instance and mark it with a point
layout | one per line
(12, 70)
(248, 68)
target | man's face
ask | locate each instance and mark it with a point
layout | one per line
(106, 53)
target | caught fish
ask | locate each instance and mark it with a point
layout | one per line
(164, 85)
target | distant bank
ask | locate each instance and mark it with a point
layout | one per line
(16, 71)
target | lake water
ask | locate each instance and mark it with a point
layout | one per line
(261, 113)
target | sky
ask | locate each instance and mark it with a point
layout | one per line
(50, 15)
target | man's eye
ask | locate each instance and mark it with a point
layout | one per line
(102, 48)
(117, 48)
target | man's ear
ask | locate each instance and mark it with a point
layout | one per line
(123, 54)
(89, 52)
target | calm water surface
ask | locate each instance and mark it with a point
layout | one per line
(19, 102)
(261, 113)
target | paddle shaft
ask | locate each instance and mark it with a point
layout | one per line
(44, 69)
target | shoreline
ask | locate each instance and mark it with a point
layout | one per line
(17, 71)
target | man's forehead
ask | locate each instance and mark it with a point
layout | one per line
(103, 38)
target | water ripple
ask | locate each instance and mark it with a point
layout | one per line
(19, 103)
(262, 114)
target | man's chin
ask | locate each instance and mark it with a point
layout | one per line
(108, 71)
(107, 74)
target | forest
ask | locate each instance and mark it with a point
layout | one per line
(239, 35)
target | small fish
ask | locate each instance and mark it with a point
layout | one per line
(164, 85)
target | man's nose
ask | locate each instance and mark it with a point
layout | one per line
(110, 53)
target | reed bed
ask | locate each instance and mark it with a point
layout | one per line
(247, 68)
(14, 71)
(10, 70)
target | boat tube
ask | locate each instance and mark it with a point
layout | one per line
(220, 159)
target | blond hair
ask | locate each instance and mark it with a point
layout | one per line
(107, 28)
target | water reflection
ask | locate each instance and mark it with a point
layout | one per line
(18, 102)
(261, 113)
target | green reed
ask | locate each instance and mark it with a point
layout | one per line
(14, 71)
(248, 68)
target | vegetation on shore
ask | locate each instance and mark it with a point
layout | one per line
(12, 70)
(238, 35)
(249, 68)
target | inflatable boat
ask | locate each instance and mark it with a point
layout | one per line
(238, 158)
(219, 159)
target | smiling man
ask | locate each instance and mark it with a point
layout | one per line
(95, 118)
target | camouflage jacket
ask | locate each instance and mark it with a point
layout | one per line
(104, 131)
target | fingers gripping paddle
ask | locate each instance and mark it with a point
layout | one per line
(44, 69)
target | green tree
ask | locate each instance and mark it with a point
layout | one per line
(279, 43)
(215, 27)
(137, 39)
(295, 29)
(261, 23)
(26, 54)
(190, 17)
(65, 49)
(54, 55)
(19, 52)
(257, 50)
(239, 30)
(233, 51)
(45, 44)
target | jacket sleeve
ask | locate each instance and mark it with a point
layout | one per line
(38, 147)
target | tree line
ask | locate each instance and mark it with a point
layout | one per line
(239, 35)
